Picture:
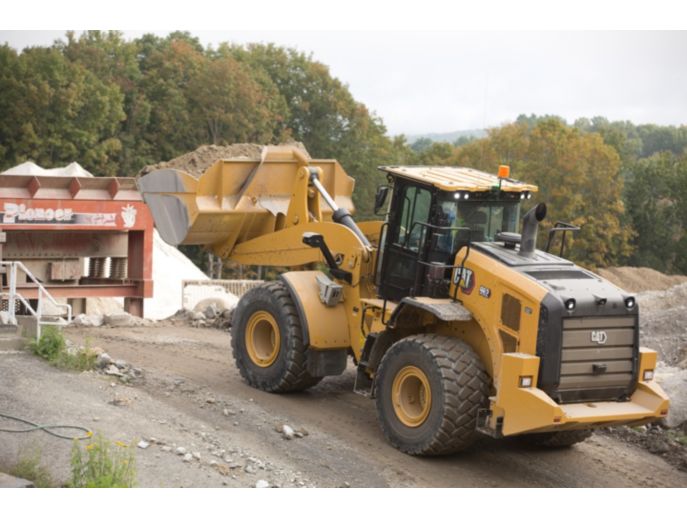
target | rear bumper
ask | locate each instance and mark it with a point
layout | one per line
(517, 410)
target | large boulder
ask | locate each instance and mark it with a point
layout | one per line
(88, 320)
(124, 319)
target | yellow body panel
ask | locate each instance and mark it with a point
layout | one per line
(327, 326)
(531, 410)
(486, 333)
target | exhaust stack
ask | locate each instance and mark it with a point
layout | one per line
(530, 224)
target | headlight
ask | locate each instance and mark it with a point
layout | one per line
(630, 302)
(570, 304)
(648, 375)
(525, 381)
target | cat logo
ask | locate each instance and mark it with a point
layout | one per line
(599, 336)
(466, 278)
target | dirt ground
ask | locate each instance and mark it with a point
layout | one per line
(192, 396)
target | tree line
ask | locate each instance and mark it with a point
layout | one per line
(115, 105)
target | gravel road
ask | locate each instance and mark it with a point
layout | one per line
(191, 396)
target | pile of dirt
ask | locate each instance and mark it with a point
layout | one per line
(196, 162)
(663, 326)
(640, 279)
(671, 445)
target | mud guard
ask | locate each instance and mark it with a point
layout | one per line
(324, 327)
(443, 309)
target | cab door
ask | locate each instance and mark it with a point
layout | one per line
(405, 237)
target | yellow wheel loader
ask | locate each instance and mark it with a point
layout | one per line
(458, 325)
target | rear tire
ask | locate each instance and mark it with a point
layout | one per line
(267, 340)
(555, 440)
(429, 390)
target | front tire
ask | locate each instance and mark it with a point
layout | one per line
(267, 340)
(430, 389)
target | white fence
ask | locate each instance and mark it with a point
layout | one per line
(195, 290)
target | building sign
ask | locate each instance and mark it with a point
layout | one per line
(20, 214)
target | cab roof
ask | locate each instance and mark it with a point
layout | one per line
(457, 179)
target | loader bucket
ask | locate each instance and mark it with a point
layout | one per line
(235, 200)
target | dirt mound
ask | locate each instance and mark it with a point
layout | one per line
(639, 279)
(663, 326)
(197, 161)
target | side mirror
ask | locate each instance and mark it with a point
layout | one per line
(380, 197)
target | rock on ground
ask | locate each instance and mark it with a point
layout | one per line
(7, 481)
(124, 319)
(88, 320)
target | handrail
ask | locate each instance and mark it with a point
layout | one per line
(42, 292)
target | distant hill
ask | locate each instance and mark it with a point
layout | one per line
(448, 136)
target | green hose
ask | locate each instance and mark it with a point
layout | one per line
(46, 428)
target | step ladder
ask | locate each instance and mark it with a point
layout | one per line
(15, 300)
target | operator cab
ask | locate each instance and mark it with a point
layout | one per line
(433, 213)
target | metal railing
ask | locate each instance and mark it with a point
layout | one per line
(237, 287)
(11, 268)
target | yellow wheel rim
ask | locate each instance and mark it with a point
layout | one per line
(262, 339)
(411, 396)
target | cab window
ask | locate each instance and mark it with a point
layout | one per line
(414, 211)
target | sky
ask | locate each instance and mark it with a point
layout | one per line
(421, 82)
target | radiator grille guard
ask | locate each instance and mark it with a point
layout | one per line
(587, 359)
(597, 353)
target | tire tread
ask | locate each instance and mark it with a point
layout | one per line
(466, 386)
(295, 376)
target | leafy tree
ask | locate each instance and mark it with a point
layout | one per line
(421, 144)
(578, 177)
(114, 60)
(436, 153)
(657, 206)
(621, 135)
(54, 111)
(229, 103)
(169, 66)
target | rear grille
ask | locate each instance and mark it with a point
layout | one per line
(597, 353)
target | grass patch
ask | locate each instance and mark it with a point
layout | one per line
(29, 467)
(52, 347)
(82, 360)
(103, 464)
(678, 436)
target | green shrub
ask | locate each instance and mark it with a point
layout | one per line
(103, 464)
(29, 467)
(52, 346)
